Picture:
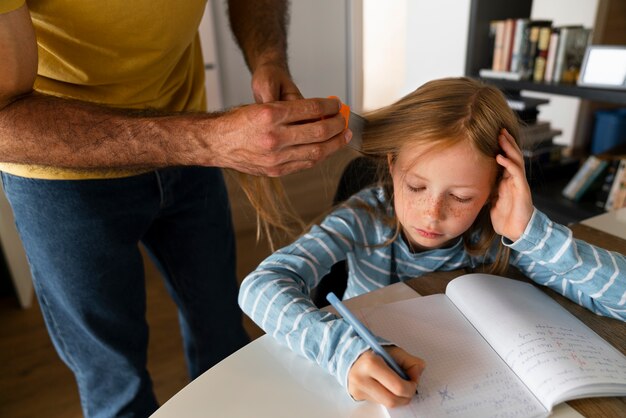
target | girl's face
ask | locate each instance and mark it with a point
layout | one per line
(439, 193)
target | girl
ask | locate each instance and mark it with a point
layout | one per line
(452, 194)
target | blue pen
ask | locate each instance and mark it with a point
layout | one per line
(365, 334)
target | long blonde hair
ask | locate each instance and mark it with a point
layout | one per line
(277, 220)
(444, 112)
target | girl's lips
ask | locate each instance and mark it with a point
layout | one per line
(427, 234)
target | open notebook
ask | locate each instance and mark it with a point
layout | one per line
(496, 347)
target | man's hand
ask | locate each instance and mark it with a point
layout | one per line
(275, 138)
(371, 379)
(271, 82)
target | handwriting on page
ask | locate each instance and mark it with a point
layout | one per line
(554, 358)
(463, 376)
(495, 394)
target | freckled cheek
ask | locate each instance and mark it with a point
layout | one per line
(464, 215)
(418, 204)
(459, 211)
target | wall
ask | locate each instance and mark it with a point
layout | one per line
(562, 111)
(318, 51)
(321, 61)
(411, 42)
(407, 43)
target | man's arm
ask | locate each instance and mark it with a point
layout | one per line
(258, 139)
(260, 28)
(18, 49)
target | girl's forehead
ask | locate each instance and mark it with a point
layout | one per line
(447, 152)
(457, 164)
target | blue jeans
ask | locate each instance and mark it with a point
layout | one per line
(82, 242)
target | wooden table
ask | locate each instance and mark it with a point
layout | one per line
(612, 330)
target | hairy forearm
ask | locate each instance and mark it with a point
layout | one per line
(260, 28)
(50, 131)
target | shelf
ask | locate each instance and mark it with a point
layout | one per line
(588, 93)
(549, 200)
(547, 181)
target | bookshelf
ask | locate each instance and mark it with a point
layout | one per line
(587, 93)
(547, 181)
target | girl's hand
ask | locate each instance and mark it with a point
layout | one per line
(371, 379)
(512, 207)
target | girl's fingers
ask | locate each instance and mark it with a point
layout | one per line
(380, 394)
(370, 378)
(510, 148)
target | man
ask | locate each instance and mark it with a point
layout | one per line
(104, 144)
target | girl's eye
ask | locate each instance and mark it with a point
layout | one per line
(461, 199)
(415, 189)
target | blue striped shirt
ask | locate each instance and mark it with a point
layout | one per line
(276, 294)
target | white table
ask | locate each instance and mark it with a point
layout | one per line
(266, 380)
(610, 222)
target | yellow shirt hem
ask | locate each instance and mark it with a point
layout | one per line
(54, 173)
(10, 5)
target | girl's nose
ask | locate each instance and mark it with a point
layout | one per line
(435, 208)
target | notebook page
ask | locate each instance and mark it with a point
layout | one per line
(464, 377)
(552, 351)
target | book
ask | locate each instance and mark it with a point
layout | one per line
(617, 195)
(528, 115)
(537, 143)
(546, 152)
(573, 41)
(497, 347)
(543, 40)
(552, 48)
(497, 28)
(530, 47)
(518, 39)
(602, 194)
(507, 44)
(519, 102)
(506, 75)
(584, 177)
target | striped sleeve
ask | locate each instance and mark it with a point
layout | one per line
(588, 275)
(276, 295)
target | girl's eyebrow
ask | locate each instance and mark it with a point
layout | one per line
(413, 176)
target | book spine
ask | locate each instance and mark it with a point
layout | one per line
(574, 53)
(507, 75)
(618, 189)
(559, 60)
(518, 39)
(533, 39)
(590, 180)
(543, 40)
(607, 182)
(552, 47)
(498, 45)
(509, 34)
(584, 172)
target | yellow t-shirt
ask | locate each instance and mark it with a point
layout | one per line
(128, 54)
